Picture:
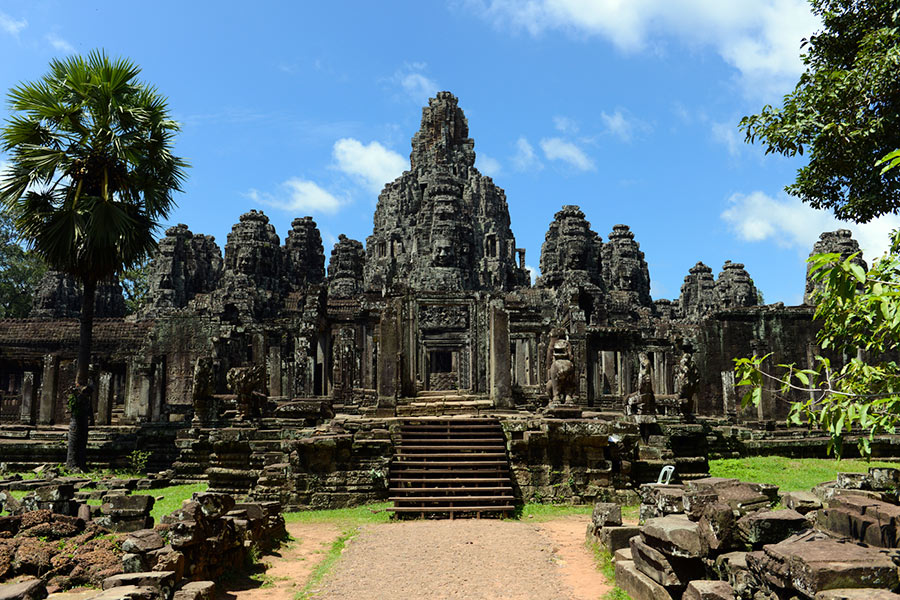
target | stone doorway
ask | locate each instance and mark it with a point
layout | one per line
(442, 369)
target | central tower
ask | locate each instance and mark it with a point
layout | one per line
(442, 226)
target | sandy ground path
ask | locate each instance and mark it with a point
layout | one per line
(472, 559)
(290, 567)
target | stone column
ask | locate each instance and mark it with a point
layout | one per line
(104, 398)
(26, 414)
(49, 381)
(608, 385)
(729, 407)
(499, 362)
(388, 359)
(137, 398)
(275, 371)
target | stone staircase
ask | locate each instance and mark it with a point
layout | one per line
(451, 467)
(443, 403)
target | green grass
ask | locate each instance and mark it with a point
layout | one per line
(172, 498)
(545, 512)
(606, 565)
(345, 517)
(789, 474)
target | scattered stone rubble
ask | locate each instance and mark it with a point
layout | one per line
(718, 539)
(178, 559)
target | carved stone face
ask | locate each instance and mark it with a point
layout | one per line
(443, 254)
(246, 261)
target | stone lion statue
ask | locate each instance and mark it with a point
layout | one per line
(562, 379)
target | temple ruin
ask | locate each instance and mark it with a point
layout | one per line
(260, 371)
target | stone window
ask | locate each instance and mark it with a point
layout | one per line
(441, 361)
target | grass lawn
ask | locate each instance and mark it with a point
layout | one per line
(172, 497)
(789, 474)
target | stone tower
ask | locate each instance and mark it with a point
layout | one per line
(840, 242)
(442, 225)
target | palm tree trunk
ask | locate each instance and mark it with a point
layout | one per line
(80, 398)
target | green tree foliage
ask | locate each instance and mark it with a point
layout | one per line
(859, 312)
(135, 286)
(91, 174)
(844, 112)
(20, 272)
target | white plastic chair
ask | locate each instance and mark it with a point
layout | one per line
(665, 475)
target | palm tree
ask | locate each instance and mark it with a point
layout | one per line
(91, 174)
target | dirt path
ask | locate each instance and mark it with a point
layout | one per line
(288, 569)
(471, 559)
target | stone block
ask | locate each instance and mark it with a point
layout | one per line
(129, 592)
(196, 590)
(705, 589)
(31, 589)
(143, 540)
(622, 554)
(637, 585)
(811, 563)
(857, 594)
(884, 479)
(214, 505)
(675, 535)
(718, 526)
(163, 581)
(668, 571)
(732, 567)
(802, 502)
(771, 526)
(134, 563)
(853, 481)
(135, 505)
(614, 538)
(606, 513)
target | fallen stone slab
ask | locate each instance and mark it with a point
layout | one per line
(196, 590)
(675, 535)
(129, 592)
(622, 554)
(616, 538)
(668, 571)
(732, 567)
(802, 502)
(31, 589)
(811, 563)
(143, 540)
(884, 479)
(771, 526)
(637, 585)
(705, 589)
(163, 581)
(718, 526)
(858, 594)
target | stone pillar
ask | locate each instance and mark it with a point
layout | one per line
(609, 372)
(275, 371)
(49, 381)
(104, 398)
(137, 399)
(729, 406)
(26, 414)
(499, 362)
(158, 390)
(388, 359)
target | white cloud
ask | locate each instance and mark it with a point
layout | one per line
(565, 125)
(299, 195)
(790, 223)
(727, 134)
(759, 38)
(60, 44)
(621, 125)
(560, 149)
(525, 158)
(488, 165)
(414, 83)
(372, 163)
(533, 272)
(10, 25)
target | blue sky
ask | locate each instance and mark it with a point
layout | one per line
(628, 109)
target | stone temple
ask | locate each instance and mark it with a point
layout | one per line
(260, 371)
